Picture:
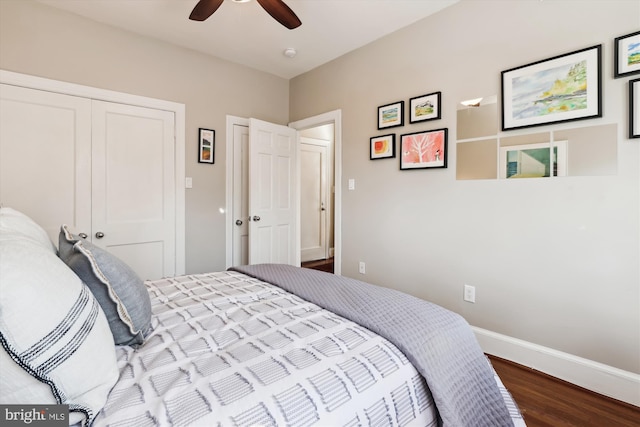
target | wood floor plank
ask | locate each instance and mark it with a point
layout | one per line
(546, 401)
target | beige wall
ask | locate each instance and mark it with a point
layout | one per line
(42, 41)
(555, 263)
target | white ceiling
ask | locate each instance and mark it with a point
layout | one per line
(244, 33)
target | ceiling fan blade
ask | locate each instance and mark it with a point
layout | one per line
(281, 13)
(204, 9)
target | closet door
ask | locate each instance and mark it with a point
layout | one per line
(45, 157)
(133, 186)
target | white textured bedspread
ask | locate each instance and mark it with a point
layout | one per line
(230, 350)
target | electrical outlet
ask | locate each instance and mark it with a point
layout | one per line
(469, 293)
(361, 267)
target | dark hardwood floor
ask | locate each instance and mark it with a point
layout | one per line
(321, 264)
(546, 401)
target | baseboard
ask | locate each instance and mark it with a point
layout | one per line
(598, 377)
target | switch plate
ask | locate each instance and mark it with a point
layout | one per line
(352, 184)
(469, 293)
(188, 182)
(361, 267)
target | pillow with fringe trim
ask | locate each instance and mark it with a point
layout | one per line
(119, 290)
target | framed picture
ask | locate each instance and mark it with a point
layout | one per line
(563, 88)
(424, 150)
(634, 108)
(541, 160)
(391, 115)
(383, 147)
(627, 55)
(424, 107)
(207, 144)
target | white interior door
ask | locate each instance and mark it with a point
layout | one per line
(313, 199)
(133, 186)
(273, 194)
(45, 157)
(240, 214)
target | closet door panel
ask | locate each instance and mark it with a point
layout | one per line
(45, 157)
(133, 180)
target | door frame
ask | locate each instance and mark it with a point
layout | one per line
(334, 117)
(40, 83)
(329, 117)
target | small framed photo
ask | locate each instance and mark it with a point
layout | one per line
(559, 89)
(391, 115)
(383, 147)
(540, 160)
(424, 107)
(207, 144)
(634, 108)
(424, 150)
(627, 55)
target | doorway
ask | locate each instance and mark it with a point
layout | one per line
(234, 124)
(316, 193)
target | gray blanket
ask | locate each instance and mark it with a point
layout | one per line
(438, 342)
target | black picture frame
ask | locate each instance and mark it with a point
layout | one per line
(563, 88)
(425, 107)
(382, 147)
(634, 108)
(391, 115)
(206, 145)
(626, 53)
(426, 149)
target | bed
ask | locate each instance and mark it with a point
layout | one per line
(267, 345)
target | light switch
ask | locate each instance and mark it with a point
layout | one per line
(352, 184)
(188, 182)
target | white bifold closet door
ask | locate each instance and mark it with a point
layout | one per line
(105, 169)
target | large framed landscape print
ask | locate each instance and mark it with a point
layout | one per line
(559, 89)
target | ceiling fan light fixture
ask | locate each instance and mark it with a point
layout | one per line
(276, 8)
(290, 52)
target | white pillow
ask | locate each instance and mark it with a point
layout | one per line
(12, 221)
(55, 342)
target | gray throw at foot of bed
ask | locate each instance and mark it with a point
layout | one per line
(438, 342)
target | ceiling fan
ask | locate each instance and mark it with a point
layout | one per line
(276, 8)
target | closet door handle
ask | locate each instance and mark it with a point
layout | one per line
(83, 235)
(99, 235)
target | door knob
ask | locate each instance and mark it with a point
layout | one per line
(83, 235)
(99, 234)
(256, 218)
(238, 222)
